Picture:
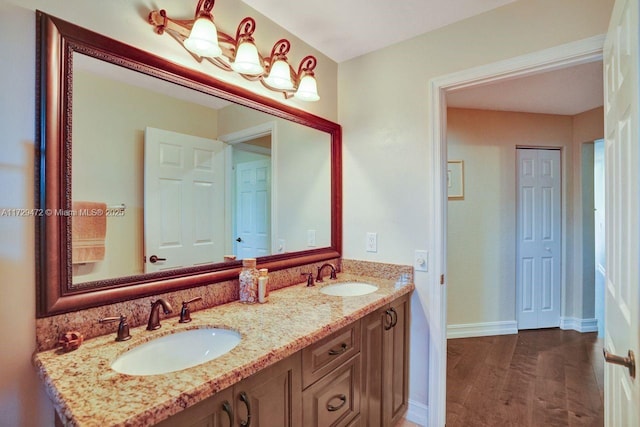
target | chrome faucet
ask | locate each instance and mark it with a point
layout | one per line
(331, 276)
(154, 316)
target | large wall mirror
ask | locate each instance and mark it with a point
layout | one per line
(154, 177)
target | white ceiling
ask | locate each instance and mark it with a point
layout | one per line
(344, 29)
(568, 91)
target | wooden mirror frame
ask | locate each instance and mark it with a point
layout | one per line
(57, 40)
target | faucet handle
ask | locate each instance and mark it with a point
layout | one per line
(185, 313)
(123, 326)
(309, 278)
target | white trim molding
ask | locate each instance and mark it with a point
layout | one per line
(466, 330)
(418, 413)
(577, 324)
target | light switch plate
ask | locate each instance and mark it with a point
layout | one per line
(311, 238)
(372, 242)
(421, 260)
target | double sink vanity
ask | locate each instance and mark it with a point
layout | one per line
(333, 354)
(308, 357)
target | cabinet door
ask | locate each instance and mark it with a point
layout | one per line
(271, 397)
(334, 401)
(215, 411)
(373, 331)
(396, 362)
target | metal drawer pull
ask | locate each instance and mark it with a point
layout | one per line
(394, 315)
(245, 399)
(389, 316)
(629, 361)
(343, 348)
(343, 399)
(226, 407)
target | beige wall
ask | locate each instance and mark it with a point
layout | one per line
(481, 252)
(383, 108)
(108, 159)
(481, 234)
(22, 400)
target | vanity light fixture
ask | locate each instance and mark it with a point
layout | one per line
(240, 54)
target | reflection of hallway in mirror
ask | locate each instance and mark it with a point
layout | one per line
(253, 207)
(252, 193)
(544, 377)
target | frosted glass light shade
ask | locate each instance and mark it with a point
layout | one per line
(203, 39)
(307, 89)
(279, 77)
(247, 60)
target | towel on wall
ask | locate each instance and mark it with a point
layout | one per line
(88, 232)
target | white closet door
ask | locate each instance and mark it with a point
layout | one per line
(538, 272)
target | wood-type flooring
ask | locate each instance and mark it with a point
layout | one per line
(538, 378)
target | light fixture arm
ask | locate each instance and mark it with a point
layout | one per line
(279, 50)
(307, 65)
(245, 30)
(204, 7)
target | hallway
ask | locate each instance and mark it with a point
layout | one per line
(546, 377)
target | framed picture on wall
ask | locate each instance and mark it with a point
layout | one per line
(455, 179)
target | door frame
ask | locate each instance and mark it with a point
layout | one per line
(239, 137)
(562, 56)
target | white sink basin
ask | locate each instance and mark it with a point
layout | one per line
(349, 289)
(177, 351)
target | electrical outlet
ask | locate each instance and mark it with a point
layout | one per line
(421, 260)
(281, 246)
(372, 242)
(311, 238)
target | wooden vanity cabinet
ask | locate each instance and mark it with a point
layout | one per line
(271, 397)
(385, 364)
(355, 377)
(216, 411)
(331, 376)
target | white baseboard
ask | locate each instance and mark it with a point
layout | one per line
(466, 330)
(580, 325)
(418, 413)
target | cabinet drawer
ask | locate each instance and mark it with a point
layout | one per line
(323, 356)
(334, 401)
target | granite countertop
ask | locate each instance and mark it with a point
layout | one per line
(87, 392)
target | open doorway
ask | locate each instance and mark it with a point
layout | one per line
(250, 191)
(589, 50)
